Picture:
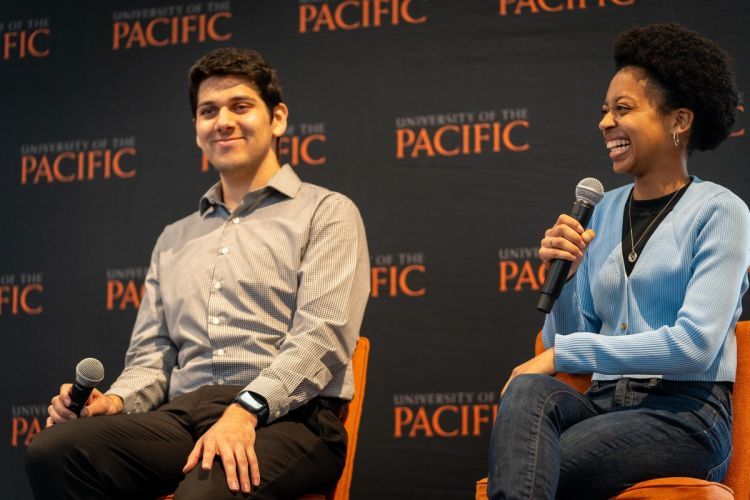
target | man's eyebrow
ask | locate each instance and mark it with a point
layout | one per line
(236, 98)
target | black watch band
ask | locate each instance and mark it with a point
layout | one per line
(255, 404)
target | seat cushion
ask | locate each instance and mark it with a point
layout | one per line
(677, 488)
(671, 488)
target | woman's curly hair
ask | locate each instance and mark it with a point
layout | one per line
(691, 71)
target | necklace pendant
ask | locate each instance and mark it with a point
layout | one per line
(632, 256)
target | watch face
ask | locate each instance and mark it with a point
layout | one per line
(248, 401)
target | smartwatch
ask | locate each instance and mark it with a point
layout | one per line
(255, 404)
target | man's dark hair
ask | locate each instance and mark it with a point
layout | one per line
(690, 71)
(243, 63)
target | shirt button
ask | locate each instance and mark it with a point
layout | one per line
(236, 220)
(220, 381)
(220, 352)
(224, 250)
(217, 285)
(278, 413)
(623, 326)
(215, 320)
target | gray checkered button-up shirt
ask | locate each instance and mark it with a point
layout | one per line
(270, 297)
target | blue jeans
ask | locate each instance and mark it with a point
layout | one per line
(550, 441)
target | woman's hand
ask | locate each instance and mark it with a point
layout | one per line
(566, 240)
(543, 364)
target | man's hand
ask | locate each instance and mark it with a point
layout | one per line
(97, 404)
(232, 437)
(543, 363)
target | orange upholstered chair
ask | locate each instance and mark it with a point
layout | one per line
(737, 481)
(351, 423)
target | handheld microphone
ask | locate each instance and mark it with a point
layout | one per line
(89, 372)
(589, 192)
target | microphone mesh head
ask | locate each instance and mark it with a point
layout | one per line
(89, 372)
(590, 191)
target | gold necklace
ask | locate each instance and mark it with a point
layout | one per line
(633, 255)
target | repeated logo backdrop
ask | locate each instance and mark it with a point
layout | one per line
(459, 128)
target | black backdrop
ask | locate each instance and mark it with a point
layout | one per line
(459, 128)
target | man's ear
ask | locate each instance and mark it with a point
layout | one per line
(279, 119)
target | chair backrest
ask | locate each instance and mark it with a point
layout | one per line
(360, 359)
(738, 475)
(351, 423)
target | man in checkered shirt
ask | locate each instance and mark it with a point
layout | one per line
(240, 359)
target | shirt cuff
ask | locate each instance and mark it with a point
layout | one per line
(274, 393)
(129, 404)
(569, 354)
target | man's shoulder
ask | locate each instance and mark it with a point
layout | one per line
(309, 189)
(179, 227)
(314, 190)
(183, 222)
(324, 198)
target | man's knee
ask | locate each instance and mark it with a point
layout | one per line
(49, 451)
(200, 484)
(42, 449)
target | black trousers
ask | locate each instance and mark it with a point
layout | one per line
(142, 455)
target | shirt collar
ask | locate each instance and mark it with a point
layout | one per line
(285, 181)
(210, 200)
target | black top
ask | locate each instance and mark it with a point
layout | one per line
(643, 213)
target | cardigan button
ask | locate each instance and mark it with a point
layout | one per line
(623, 326)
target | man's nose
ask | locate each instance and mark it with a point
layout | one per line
(224, 118)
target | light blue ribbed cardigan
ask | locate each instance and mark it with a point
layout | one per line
(674, 316)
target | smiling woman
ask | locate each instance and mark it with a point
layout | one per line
(673, 93)
(635, 128)
(654, 294)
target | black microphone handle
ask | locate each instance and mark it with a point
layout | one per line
(559, 269)
(79, 394)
